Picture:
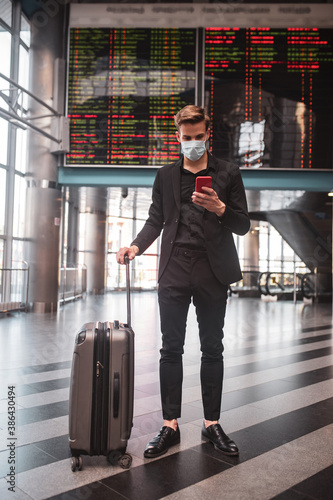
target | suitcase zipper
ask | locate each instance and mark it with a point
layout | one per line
(105, 391)
(100, 408)
(98, 367)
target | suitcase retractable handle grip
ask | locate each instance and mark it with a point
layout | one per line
(128, 289)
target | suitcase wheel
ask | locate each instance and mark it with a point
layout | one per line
(116, 457)
(125, 461)
(76, 463)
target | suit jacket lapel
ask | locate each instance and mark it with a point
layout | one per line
(176, 182)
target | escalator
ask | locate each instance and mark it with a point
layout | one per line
(282, 286)
(306, 225)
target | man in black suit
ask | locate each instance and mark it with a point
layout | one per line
(198, 261)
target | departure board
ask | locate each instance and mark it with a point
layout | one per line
(124, 87)
(269, 93)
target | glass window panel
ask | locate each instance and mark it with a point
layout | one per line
(19, 206)
(275, 246)
(288, 267)
(21, 150)
(2, 244)
(263, 247)
(2, 199)
(127, 213)
(5, 44)
(1, 254)
(288, 252)
(121, 202)
(25, 31)
(4, 141)
(239, 244)
(6, 11)
(82, 226)
(18, 251)
(120, 233)
(4, 88)
(18, 285)
(288, 257)
(65, 241)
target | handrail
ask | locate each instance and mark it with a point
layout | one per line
(277, 283)
(9, 305)
(30, 94)
(73, 282)
(280, 285)
(13, 115)
(306, 281)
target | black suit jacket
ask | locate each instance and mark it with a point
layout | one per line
(165, 210)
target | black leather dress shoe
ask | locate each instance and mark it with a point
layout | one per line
(215, 434)
(161, 443)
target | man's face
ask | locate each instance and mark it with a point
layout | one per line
(192, 132)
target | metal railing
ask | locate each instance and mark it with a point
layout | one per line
(278, 284)
(248, 283)
(73, 282)
(14, 287)
(296, 285)
(314, 285)
(309, 285)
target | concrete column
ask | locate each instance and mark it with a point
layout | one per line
(94, 239)
(251, 255)
(43, 209)
(73, 226)
(251, 248)
(251, 239)
(251, 243)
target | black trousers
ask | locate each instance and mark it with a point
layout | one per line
(188, 276)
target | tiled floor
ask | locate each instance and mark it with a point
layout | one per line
(277, 406)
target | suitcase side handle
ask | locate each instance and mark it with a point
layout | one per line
(116, 394)
(128, 289)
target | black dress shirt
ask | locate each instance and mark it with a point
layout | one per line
(190, 232)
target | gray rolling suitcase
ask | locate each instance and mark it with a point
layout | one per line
(102, 390)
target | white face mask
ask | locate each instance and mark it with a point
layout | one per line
(193, 150)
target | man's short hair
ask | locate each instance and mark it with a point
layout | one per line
(191, 114)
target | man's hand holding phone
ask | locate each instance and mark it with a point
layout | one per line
(206, 197)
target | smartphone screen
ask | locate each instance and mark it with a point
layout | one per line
(201, 181)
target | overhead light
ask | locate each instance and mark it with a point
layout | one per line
(330, 193)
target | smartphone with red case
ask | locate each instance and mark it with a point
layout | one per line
(202, 180)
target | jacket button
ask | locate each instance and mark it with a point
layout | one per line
(176, 220)
(171, 242)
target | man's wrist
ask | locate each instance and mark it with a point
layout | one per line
(221, 210)
(135, 249)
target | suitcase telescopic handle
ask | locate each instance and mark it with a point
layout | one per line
(128, 289)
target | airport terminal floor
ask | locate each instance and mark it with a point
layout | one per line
(277, 406)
